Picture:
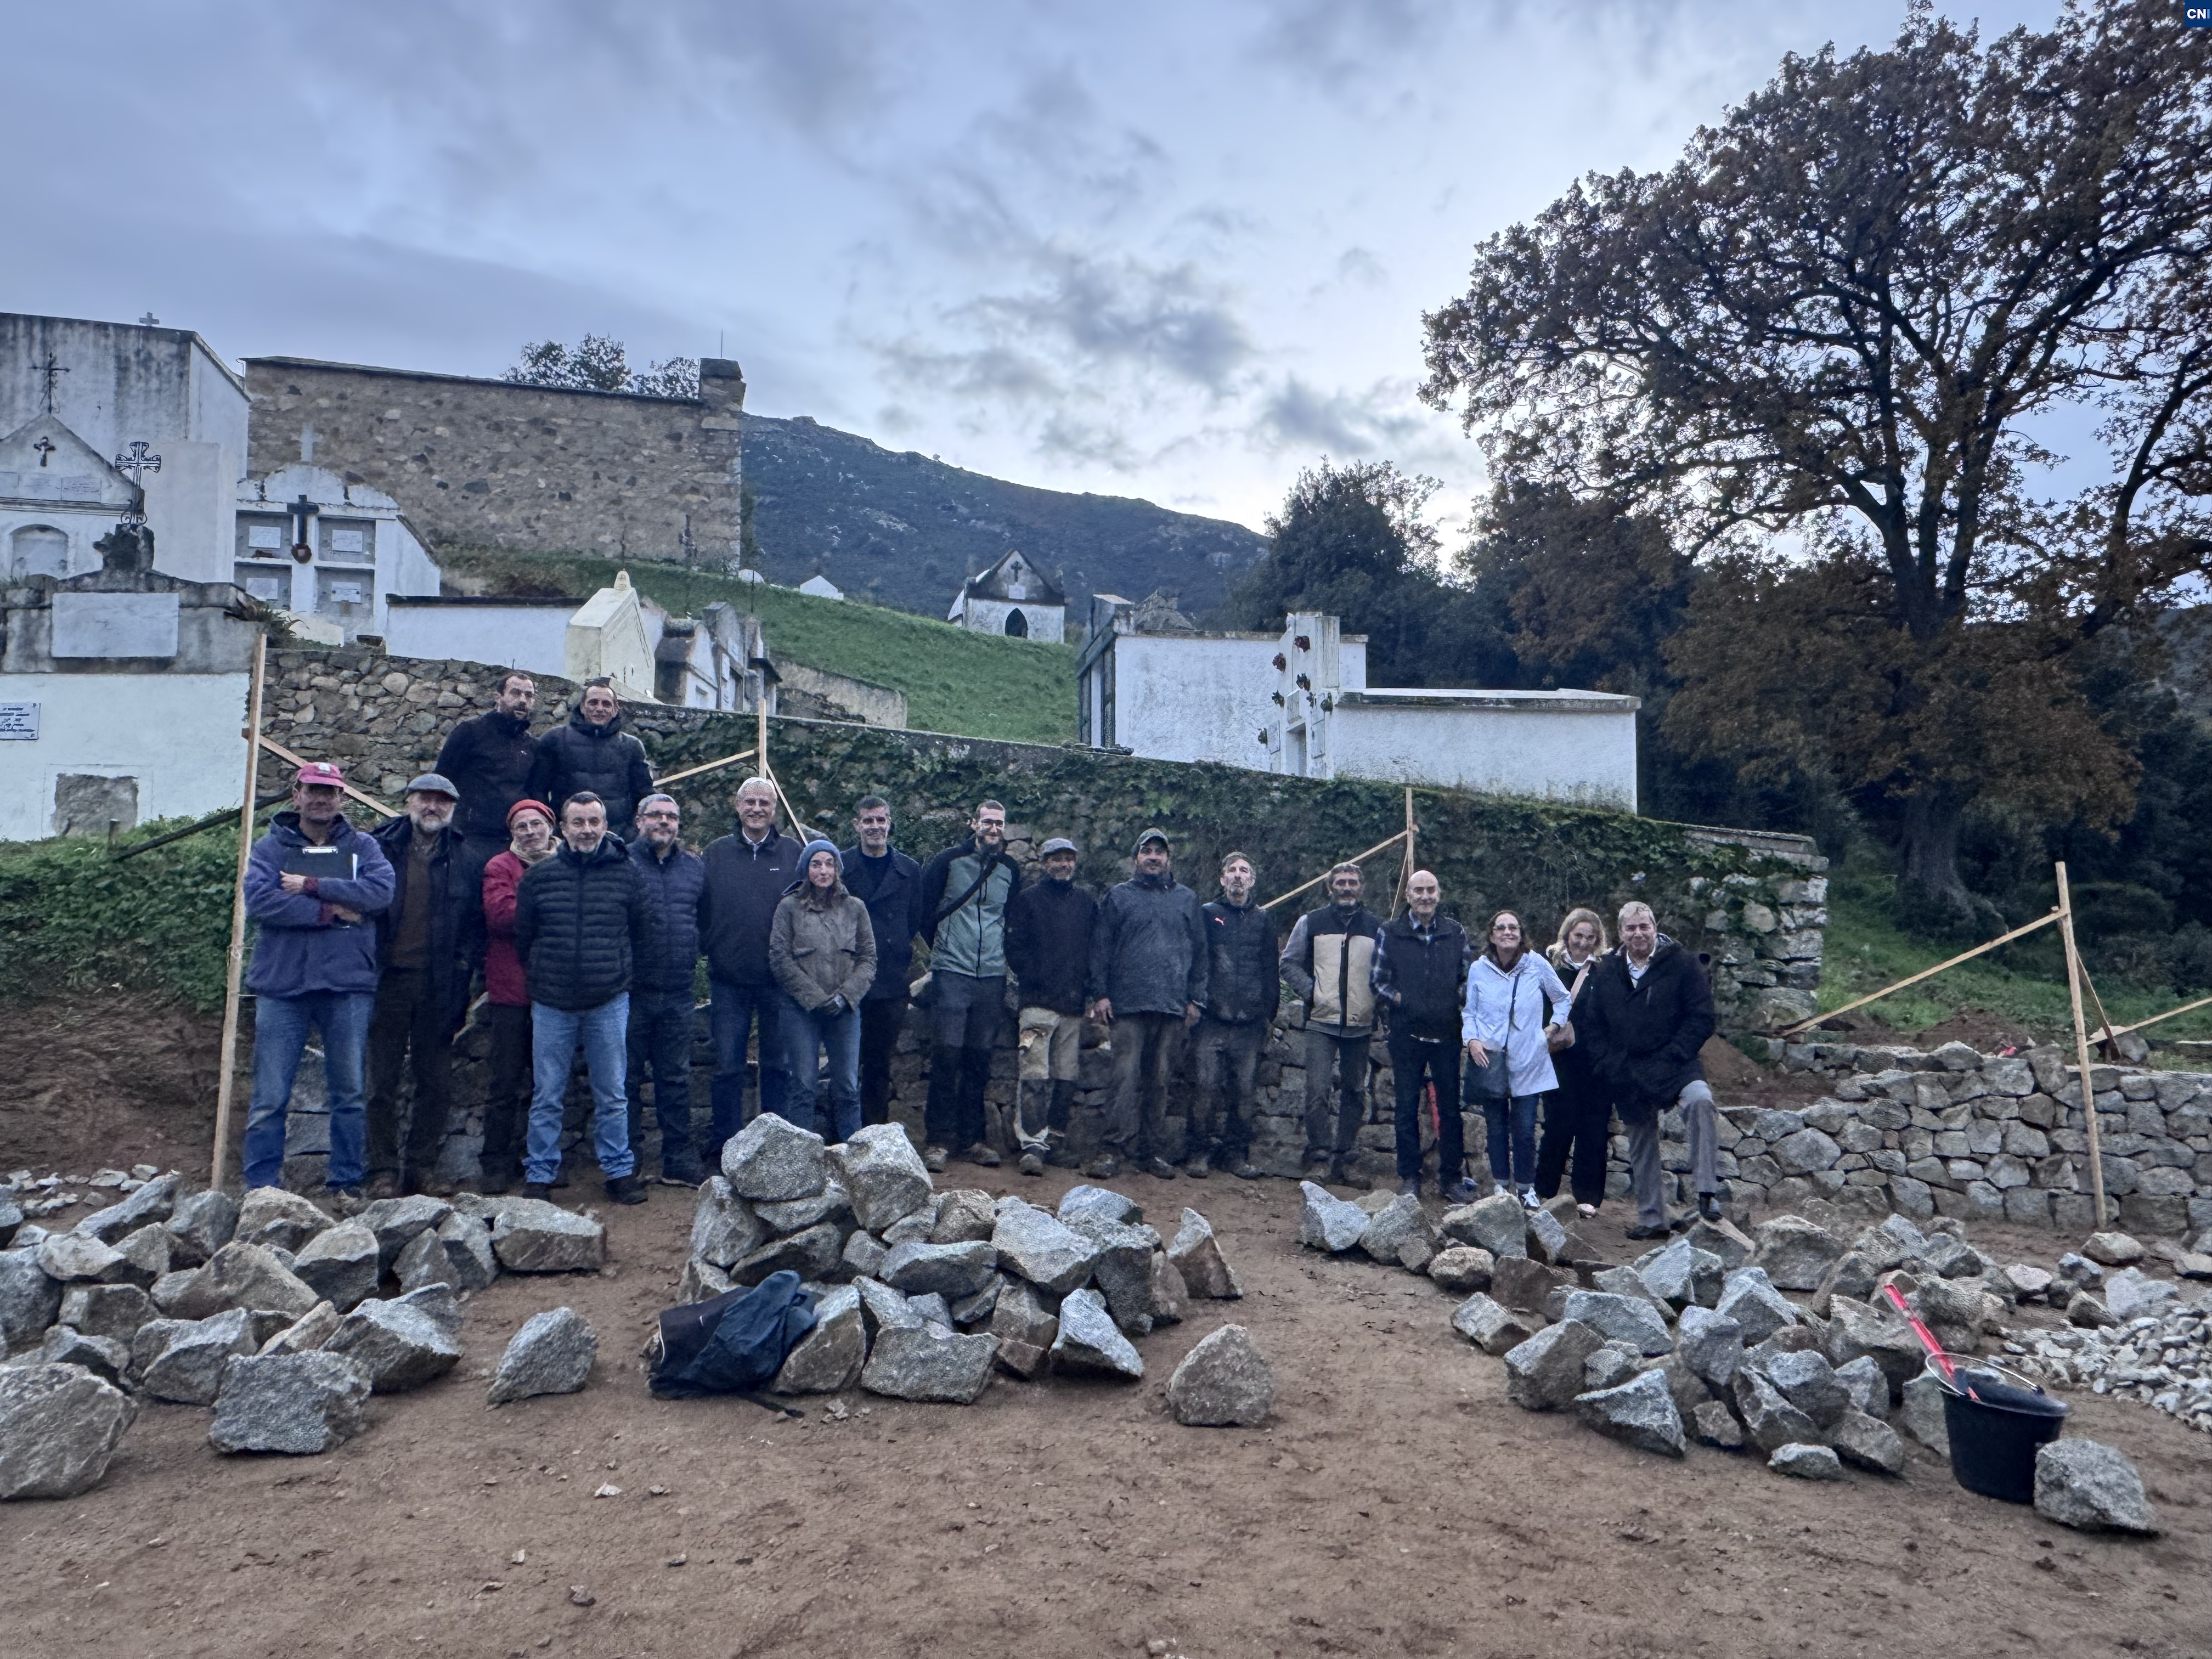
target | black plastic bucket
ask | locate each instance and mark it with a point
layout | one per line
(1995, 1436)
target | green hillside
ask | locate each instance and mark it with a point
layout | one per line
(975, 685)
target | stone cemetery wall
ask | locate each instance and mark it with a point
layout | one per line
(529, 468)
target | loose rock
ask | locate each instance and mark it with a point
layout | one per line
(150, 1203)
(1460, 1269)
(832, 1203)
(340, 1264)
(1807, 1382)
(1102, 1204)
(400, 1347)
(1124, 1268)
(306, 1333)
(1712, 1345)
(1769, 1420)
(2113, 1250)
(59, 1427)
(270, 1215)
(2085, 1484)
(1547, 1239)
(1400, 1234)
(1866, 1442)
(1497, 1223)
(1545, 1372)
(110, 1311)
(552, 1354)
(923, 1364)
(1490, 1327)
(1169, 1297)
(725, 1229)
(1682, 1276)
(1523, 1283)
(29, 1300)
(1224, 1380)
(1750, 1299)
(812, 1253)
(1639, 1413)
(201, 1224)
(830, 1356)
(883, 1174)
(1197, 1256)
(534, 1236)
(1795, 1254)
(770, 1158)
(1628, 1318)
(1326, 1222)
(1921, 1411)
(301, 1404)
(1715, 1425)
(79, 1258)
(245, 1275)
(103, 1356)
(1090, 1341)
(1805, 1462)
(967, 1216)
(188, 1367)
(951, 1270)
(1032, 1244)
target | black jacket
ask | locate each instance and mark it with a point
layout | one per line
(1048, 944)
(456, 898)
(490, 760)
(580, 923)
(1644, 1038)
(1148, 949)
(1421, 976)
(604, 759)
(1243, 978)
(894, 914)
(672, 886)
(737, 907)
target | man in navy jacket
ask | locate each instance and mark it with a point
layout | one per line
(314, 969)
(660, 1002)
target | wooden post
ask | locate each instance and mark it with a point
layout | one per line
(2082, 1044)
(234, 964)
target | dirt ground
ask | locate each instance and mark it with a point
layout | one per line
(1396, 1504)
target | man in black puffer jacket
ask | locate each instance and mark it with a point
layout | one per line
(593, 753)
(1243, 989)
(1048, 947)
(580, 924)
(490, 759)
(1643, 1013)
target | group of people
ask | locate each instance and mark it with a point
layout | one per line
(550, 865)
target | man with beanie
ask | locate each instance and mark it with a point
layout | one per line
(428, 941)
(579, 926)
(1048, 947)
(965, 890)
(1147, 978)
(1329, 961)
(531, 840)
(1420, 977)
(660, 1006)
(1243, 989)
(313, 884)
(888, 883)
(747, 874)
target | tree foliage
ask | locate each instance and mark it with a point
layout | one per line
(1843, 314)
(599, 364)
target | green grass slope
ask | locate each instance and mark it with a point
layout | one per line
(975, 685)
(2023, 985)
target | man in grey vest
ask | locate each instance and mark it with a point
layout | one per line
(964, 893)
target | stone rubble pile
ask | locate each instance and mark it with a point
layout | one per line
(280, 1316)
(926, 1295)
(1780, 1342)
(2130, 1334)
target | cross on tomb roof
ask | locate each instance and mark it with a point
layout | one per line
(138, 463)
(49, 369)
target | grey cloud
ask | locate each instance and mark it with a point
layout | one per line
(1064, 436)
(992, 371)
(1384, 420)
(1124, 313)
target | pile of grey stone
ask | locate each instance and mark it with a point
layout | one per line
(927, 1295)
(281, 1316)
(2130, 1333)
(1781, 1342)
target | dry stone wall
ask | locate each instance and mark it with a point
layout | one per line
(537, 468)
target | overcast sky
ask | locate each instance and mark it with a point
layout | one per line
(1175, 251)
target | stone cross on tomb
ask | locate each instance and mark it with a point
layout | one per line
(49, 369)
(46, 446)
(138, 463)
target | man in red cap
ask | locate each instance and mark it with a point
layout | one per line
(315, 885)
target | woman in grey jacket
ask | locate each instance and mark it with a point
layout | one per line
(821, 949)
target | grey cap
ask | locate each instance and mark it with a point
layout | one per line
(1159, 836)
(1058, 844)
(433, 783)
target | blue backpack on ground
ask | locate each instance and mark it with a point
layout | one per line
(734, 1343)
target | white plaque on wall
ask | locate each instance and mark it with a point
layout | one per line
(115, 625)
(264, 535)
(19, 721)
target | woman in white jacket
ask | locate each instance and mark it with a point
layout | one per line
(1509, 1055)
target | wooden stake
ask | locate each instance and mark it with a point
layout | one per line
(1915, 979)
(1396, 837)
(711, 766)
(2185, 1008)
(2082, 1044)
(234, 964)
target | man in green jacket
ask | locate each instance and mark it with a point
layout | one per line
(964, 893)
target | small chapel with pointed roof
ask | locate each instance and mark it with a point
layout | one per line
(1014, 597)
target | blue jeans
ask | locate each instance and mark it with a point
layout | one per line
(661, 1047)
(554, 1034)
(1522, 1169)
(281, 1025)
(734, 1011)
(806, 1037)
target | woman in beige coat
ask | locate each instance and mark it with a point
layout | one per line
(823, 951)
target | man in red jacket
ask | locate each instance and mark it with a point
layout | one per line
(507, 995)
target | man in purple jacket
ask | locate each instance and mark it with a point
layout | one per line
(314, 968)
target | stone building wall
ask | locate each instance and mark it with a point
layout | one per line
(479, 463)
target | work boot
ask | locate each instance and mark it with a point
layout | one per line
(934, 1159)
(1245, 1170)
(1104, 1167)
(383, 1186)
(345, 1201)
(1312, 1157)
(1463, 1191)
(1197, 1169)
(1410, 1187)
(1711, 1205)
(626, 1189)
(1341, 1174)
(1032, 1163)
(539, 1189)
(1062, 1157)
(982, 1156)
(1158, 1168)
(681, 1168)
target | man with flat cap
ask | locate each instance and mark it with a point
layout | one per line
(1048, 947)
(1147, 979)
(428, 941)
